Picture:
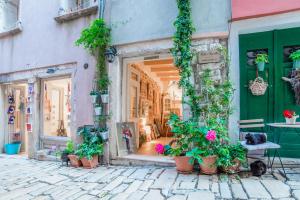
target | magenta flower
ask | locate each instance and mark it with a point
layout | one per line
(211, 135)
(159, 148)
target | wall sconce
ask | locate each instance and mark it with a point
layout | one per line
(110, 54)
(51, 70)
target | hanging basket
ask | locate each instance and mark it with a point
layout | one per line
(258, 86)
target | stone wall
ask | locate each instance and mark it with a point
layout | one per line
(207, 55)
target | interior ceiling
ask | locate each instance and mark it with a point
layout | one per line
(163, 68)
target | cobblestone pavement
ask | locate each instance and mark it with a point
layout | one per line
(24, 179)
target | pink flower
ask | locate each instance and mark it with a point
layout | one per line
(211, 135)
(159, 148)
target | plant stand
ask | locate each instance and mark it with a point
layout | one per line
(100, 121)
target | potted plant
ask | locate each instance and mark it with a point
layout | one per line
(70, 151)
(260, 60)
(15, 146)
(94, 95)
(98, 109)
(295, 56)
(231, 157)
(290, 116)
(209, 147)
(104, 133)
(104, 96)
(183, 138)
(88, 154)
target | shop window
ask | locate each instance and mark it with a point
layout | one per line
(9, 15)
(57, 107)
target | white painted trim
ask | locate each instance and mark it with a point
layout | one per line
(268, 23)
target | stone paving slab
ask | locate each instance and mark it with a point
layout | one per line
(25, 179)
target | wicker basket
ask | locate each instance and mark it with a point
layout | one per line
(258, 86)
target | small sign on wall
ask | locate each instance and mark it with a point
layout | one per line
(209, 57)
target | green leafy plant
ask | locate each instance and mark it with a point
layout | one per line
(88, 150)
(70, 147)
(295, 55)
(183, 55)
(230, 154)
(262, 57)
(96, 38)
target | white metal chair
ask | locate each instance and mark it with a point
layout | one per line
(258, 151)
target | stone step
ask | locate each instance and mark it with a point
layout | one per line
(141, 160)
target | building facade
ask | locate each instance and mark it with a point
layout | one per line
(50, 78)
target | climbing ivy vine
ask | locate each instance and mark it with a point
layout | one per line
(96, 38)
(183, 55)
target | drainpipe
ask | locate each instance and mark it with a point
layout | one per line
(101, 8)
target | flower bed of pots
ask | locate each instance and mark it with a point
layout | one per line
(87, 153)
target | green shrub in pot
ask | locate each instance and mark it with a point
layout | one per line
(295, 56)
(260, 60)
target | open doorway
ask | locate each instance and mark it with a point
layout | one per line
(153, 94)
(16, 104)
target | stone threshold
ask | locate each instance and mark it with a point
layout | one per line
(144, 160)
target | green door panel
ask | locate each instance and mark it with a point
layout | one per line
(255, 107)
(279, 96)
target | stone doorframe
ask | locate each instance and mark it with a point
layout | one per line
(117, 73)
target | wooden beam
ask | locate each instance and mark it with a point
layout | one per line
(159, 61)
(162, 65)
(168, 74)
(164, 69)
(170, 79)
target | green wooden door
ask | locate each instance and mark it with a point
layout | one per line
(278, 44)
(256, 107)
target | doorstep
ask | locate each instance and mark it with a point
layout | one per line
(144, 160)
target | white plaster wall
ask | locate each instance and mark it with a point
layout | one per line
(282, 21)
(141, 20)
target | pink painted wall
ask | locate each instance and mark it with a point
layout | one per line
(244, 9)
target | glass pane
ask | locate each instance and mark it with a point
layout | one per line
(57, 107)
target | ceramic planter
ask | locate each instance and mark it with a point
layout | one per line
(261, 66)
(104, 98)
(208, 166)
(296, 64)
(104, 135)
(74, 160)
(183, 165)
(94, 98)
(98, 110)
(234, 168)
(291, 120)
(89, 164)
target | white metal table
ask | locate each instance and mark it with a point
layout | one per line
(277, 136)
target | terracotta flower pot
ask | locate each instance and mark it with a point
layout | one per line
(183, 165)
(234, 168)
(90, 163)
(208, 166)
(74, 160)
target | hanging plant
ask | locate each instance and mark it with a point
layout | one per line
(96, 39)
(260, 60)
(295, 56)
(294, 80)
